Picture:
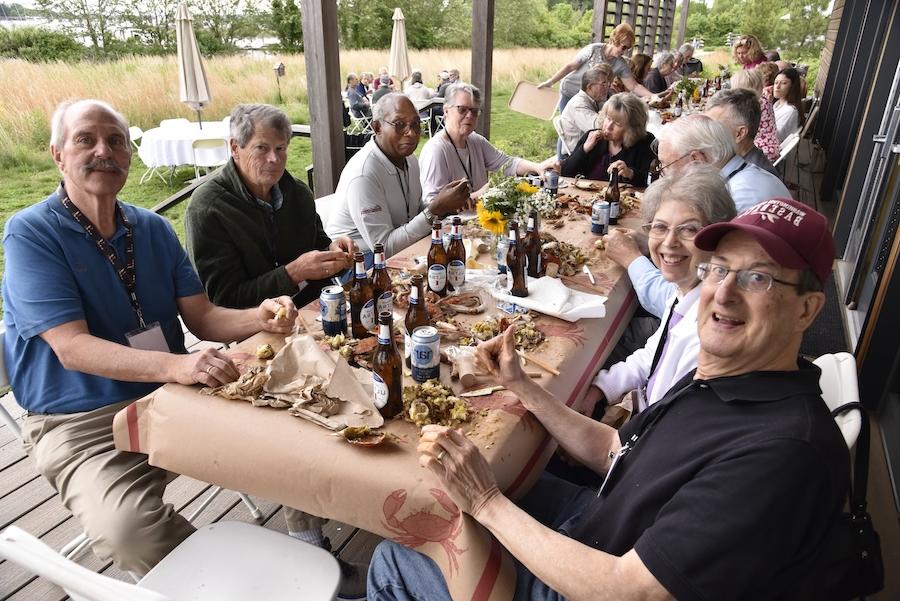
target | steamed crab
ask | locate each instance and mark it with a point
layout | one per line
(423, 526)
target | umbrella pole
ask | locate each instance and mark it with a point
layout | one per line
(199, 119)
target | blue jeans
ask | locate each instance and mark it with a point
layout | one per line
(563, 101)
(398, 573)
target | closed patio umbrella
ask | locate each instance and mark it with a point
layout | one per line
(398, 65)
(192, 87)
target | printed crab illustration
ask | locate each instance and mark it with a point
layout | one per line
(567, 330)
(423, 526)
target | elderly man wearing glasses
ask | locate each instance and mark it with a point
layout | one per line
(457, 152)
(379, 197)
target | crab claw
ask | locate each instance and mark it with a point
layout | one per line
(445, 501)
(393, 503)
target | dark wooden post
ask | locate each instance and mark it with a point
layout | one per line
(483, 58)
(323, 89)
(599, 27)
(682, 24)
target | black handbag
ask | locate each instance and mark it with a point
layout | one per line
(850, 565)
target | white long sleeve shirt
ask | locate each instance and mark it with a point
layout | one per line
(376, 201)
(680, 357)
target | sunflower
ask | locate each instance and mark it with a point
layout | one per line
(526, 188)
(492, 221)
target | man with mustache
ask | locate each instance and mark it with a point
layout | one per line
(725, 489)
(92, 292)
(379, 196)
(252, 230)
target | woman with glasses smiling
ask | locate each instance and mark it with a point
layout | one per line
(620, 42)
(675, 209)
(457, 152)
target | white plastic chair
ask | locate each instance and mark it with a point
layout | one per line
(227, 561)
(135, 133)
(557, 125)
(174, 122)
(209, 153)
(787, 147)
(358, 125)
(324, 206)
(839, 388)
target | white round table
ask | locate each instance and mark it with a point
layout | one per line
(171, 146)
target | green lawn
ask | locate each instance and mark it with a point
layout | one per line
(35, 176)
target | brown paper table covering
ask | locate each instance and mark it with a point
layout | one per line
(268, 453)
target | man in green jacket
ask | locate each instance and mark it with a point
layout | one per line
(252, 230)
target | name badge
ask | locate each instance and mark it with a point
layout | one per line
(150, 338)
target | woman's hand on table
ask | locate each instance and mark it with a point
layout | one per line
(499, 358)
(621, 246)
(460, 466)
(277, 315)
(624, 170)
(209, 367)
(592, 139)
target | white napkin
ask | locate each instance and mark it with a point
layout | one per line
(551, 297)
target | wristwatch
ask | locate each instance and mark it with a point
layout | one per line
(428, 214)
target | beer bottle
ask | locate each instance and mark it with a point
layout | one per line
(515, 263)
(533, 246)
(362, 304)
(456, 258)
(382, 291)
(612, 196)
(718, 83)
(679, 105)
(416, 315)
(387, 372)
(437, 261)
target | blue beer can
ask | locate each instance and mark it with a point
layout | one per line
(426, 353)
(600, 218)
(333, 309)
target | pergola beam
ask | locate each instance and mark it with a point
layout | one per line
(323, 89)
(483, 58)
(682, 24)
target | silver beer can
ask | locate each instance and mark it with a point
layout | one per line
(600, 218)
(333, 309)
(426, 353)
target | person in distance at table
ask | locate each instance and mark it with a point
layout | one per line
(663, 66)
(640, 65)
(689, 65)
(620, 41)
(693, 139)
(582, 113)
(251, 229)
(725, 489)
(747, 52)
(738, 110)
(621, 142)
(767, 135)
(359, 103)
(379, 197)
(92, 291)
(788, 109)
(458, 152)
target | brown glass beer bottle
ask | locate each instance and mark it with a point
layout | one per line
(362, 305)
(416, 315)
(456, 258)
(612, 196)
(437, 261)
(387, 372)
(515, 263)
(381, 283)
(533, 247)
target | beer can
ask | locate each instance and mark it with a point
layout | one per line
(600, 217)
(333, 309)
(426, 353)
(502, 249)
(551, 181)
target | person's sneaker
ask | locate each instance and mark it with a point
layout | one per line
(353, 577)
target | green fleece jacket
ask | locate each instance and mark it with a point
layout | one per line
(238, 252)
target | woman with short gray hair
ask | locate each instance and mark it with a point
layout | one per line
(663, 66)
(674, 209)
(621, 142)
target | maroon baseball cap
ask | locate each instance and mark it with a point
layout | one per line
(794, 234)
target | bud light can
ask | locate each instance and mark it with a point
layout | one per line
(333, 309)
(600, 218)
(426, 353)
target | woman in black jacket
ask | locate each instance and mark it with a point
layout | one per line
(622, 142)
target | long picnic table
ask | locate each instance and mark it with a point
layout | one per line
(268, 453)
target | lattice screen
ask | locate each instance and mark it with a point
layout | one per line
(652, 20)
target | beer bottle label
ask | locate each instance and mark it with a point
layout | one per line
(379, 259)
(380, 389)
(367, 315)
(456, 273)
(407, 345)
(360, 270)
(413, 295)
(437, 277)
(386, 302)
(531, 224)
(613, 210)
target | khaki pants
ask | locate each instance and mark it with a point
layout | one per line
(115, 495)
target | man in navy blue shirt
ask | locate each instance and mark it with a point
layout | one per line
(92, 291)
(725, 489)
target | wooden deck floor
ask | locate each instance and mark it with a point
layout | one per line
(28, 500)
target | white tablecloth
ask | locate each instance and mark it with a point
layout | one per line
(171, 145)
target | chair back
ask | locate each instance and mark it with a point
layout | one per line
(210, 152)
(810, 121)
(135, 133)
(839, 387)
(324, 206)
(557, 125)
(174, 122)
(787, 147)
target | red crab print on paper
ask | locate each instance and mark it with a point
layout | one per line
(500, 401)
(423, 526)
(563, 329)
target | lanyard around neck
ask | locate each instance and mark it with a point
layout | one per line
(467, 170)
(736, 171)
(126, 270)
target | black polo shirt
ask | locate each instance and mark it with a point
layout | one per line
(729, 492)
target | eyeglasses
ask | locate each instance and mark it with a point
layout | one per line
(403, 128)
(747, 279)
(465, 110)
(685, 231)
(657, 170)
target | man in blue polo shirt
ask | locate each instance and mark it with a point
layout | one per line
(725, 489)
(91, 296)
